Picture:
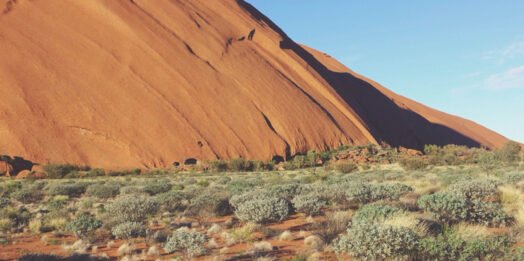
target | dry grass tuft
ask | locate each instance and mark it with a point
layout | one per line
(262, 247)
(314, 243)
(470, 232)
(240, 235)
(335, 224)
(214, 229)
(286, 236)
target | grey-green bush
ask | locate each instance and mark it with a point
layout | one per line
(378, 242)
(413, 163)
(72, 190)
(446, 207)
(358, 193)
(485, 190)
(103, 191)
(4, 202)
(58, 171)
(263, 210)
(132, 208)
(346, 167)
(190, 242)
(128, 230)
(374, 213)
(28, 195)
(83, 225)
(208, 204)
(310, 204)
(453, 208)
(388, 191)
(171, 201)
(449, 246)
(154, 188)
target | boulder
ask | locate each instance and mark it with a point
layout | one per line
(5, 168)
(23, 174)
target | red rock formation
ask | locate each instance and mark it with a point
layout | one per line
(140, 83)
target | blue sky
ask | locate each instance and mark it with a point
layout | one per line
(462, 57)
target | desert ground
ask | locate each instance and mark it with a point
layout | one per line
(353, 203)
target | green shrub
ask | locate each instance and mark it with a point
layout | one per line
(132, 208)
(378, 242)
(441, 247)
(28, 195)
(171, 201)
(4, 202)
(488, 214)
(388, 191)
(237, 200)
(83, 225)
(374, 213)
(263, 166)
(358, 193)
(487, 161)
(70, 190)
(413, 163)
(203, 183)
(241, 185)
(286, 191)
(95, 173)
(129, 190)
(207, 205)
(449, 154)
(240, 164)
(58, 171)
(154, 188)
(263, 210)
(514, 178)
(223, 180)
(298, 162)
(128, 230)
(57, 203)
(485, 190)
(446, 207)
(310, 204)
(103, 191)
(218, 166)
(346, 167)
(453, 208)
(18, 217)
(190, 242)
(449, 246)
(509, 153)
(5, 225)
(121, 173)
(492, 248)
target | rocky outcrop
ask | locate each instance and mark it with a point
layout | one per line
(125, 84)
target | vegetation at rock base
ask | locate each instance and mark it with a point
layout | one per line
(455, 205)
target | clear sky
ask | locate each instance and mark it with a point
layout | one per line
(462, 57)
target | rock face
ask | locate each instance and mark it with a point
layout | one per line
(139, 83)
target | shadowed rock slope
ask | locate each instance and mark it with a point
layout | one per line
(129, 83)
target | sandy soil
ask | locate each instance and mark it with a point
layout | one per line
(282, 249)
